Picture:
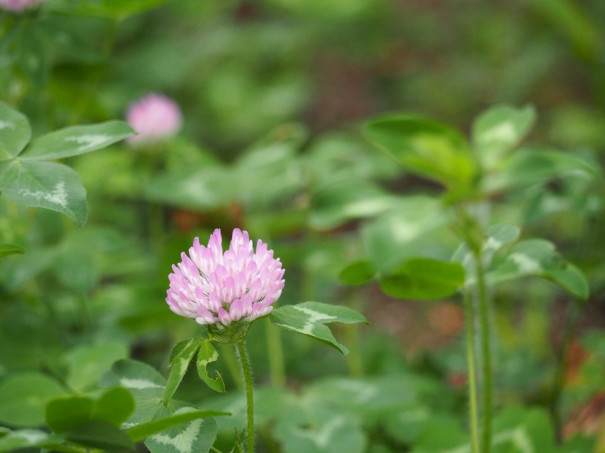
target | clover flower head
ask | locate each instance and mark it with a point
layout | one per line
(18, 5)
(153, 117)
(217, 289)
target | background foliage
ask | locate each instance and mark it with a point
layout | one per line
(283, 104)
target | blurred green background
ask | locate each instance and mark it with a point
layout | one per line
(273, 93)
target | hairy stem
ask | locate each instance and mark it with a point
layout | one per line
(472, 377)
(247, 375)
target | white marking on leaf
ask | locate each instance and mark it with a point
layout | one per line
(314, 317)
(492, 244)
(7, 125)
(195, 188)
(30, 436)
(368, 207)
(89, 141)
(526, 264)
(182, 363)
(521, 440)
(404, 231)
(416, 415)
(183, 442)
(57, 196)
(325, 433)
(364, 392)
(322, 436)
(205, 361)
(518, 437)
(555, 204)
(138, 384)
(504, 132)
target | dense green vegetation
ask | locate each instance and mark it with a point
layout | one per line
(432, 167)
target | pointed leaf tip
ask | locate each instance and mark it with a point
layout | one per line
(309, 318)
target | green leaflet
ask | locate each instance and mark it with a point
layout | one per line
(498, 236)
(144, 430)
(29, 438)
(425, 147)
(69, 413)
(101, 434)
(145, 384)
(356, 272)
(206, 355)
(64, 414)
(499, 129)
(46, 185)
(23, 397)
(337, 203)
(417, 227)
(423, 278)
(86, 364)
(531, 166)
(10, 249)
(180, 357)
(28, 177)
(309, 318)
(538, 257)
(195, 436)
(15, 132)
(115, 406)
(167, 427)
(76, 140)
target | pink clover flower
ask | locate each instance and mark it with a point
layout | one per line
(153, 117)
(18, 5)
(217, 289)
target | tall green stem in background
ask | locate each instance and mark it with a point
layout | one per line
(486, 353)
(474, 236)
(275, 349)
(571, 322)
(276, 355)
(247, 375)
(230, 358)
(353, 336)
(472, 376)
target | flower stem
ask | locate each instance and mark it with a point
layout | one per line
(486, 354)
(472, 377)
(247, 375)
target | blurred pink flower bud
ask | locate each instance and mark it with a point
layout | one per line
(18, 5)
(154, 117)
(217, 288)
